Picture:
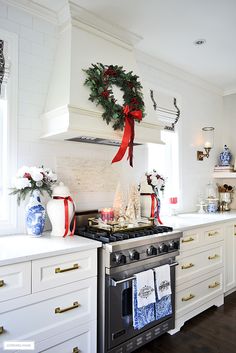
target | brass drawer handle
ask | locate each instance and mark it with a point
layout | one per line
(2, 283)
(60, 311)
(212, 234)
(213, 257)
(214, 285)
(75, 350)
(187, 240)
(185, 267)
(74, 267)
(185, 299)
(1, 329)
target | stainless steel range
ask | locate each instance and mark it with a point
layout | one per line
(123, 255)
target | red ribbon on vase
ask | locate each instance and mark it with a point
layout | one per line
(154, 206)
(67, 220)
(128, 135)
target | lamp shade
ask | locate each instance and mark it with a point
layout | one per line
(208, 136)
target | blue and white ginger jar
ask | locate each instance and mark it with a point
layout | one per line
(225, 156)
(35, 215)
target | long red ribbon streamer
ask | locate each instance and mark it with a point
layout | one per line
(154, 205)
(128, 136)
(66, 205)
(154, 200)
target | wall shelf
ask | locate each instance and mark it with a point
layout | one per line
(224, 175)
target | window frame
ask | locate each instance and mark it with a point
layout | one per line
(174, 165)
(10, 225)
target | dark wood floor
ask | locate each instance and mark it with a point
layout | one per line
(213, 331)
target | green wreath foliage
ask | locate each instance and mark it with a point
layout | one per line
(101, 78)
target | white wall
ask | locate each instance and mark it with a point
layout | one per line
(199, 107)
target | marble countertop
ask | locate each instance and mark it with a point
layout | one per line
(19, 248)
(187, 221)
(22, 247)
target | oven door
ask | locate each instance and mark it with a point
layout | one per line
(119, 308)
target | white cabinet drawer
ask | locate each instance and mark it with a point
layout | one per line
(197, 294)
(191, 239)
(197, 263)
(213, 234)
(30, 321)
(84, 342)
(15, 281)
(59, 270)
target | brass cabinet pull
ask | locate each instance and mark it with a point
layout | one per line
(2, 283)
(212, 234)
(187, 240)
(213, 257)
(185, 267)
(1, 329)
(60, 311)
(75, 350)
(74, 267)
(185, 299)
(216, 284)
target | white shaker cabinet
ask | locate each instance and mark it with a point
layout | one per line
(230, 257)
(200, 273)
(51, 300)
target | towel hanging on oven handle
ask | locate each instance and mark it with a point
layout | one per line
(114, 283)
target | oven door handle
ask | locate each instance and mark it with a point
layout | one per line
(115, 283)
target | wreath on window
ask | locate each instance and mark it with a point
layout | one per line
(100, 79)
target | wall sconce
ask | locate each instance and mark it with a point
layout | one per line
(208, 138)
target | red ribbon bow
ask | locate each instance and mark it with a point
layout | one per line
(128, 136)
(67, 225)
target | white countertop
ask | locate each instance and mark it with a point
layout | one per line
(19, 248)
(187, 221)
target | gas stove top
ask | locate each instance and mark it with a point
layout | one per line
(110, 237)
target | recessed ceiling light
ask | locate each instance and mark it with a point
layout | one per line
(199, 42)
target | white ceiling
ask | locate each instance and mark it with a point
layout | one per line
(169, 27)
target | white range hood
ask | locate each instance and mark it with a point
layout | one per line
(83, 40)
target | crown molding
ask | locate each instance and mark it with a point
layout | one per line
(229, 91)
(81, 17)
(34, 9)
(157, 64)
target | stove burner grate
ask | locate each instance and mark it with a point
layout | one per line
(107, 237)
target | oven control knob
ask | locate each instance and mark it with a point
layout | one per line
(151, 251)
(134, 255)
(120, 259)
(171, 245)
(163, 248)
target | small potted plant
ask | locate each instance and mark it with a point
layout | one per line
(34, 181)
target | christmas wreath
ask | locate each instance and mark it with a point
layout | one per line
(100, 79)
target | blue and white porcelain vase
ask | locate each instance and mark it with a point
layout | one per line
(35, 215)
(225, 156)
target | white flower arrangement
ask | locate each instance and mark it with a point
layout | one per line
(29, 179)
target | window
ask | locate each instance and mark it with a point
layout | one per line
(8, 132)
(164, 159)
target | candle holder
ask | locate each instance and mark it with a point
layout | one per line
(173, 201)
(208, 135)
(107, 215)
